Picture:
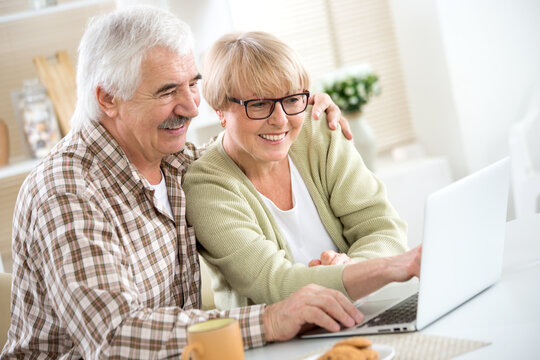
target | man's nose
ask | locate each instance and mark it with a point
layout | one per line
(187, 103)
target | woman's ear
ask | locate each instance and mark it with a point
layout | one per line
(221, 118)
(219, 114)
(107, 102)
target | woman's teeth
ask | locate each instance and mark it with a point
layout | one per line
(273, 137)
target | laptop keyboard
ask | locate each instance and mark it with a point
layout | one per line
(404, 312)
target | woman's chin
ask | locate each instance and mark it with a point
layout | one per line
(274, 157)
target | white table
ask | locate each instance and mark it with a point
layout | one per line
(507, 314)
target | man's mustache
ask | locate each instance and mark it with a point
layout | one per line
(174, 122)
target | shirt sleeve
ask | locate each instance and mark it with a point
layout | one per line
(92, 289)
(193, 152)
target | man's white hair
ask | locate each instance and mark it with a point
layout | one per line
(112, 50)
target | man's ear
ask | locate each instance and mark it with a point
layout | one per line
(107, 102)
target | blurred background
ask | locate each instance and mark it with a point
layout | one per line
(459, 80)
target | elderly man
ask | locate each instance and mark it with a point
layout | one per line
(104, 262)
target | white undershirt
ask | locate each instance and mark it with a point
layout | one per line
(301, 225)
(160, 194)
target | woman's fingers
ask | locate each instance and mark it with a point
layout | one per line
(330, 257)
(314, 262)
(327, 257)
(345, 128)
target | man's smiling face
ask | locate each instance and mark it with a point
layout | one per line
(154, 122)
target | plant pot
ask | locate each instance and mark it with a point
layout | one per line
(4, 143)
(364, 138)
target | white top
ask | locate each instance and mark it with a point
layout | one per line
(160, 194)
(301, 226)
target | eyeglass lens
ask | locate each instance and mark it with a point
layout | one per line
(262, 108)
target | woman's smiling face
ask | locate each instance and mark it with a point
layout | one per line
(256, 142)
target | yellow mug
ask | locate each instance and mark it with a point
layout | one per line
(216, 339)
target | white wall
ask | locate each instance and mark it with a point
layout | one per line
(470, 69)
(208, 19)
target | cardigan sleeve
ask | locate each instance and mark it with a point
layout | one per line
(356, 197)
(238, 239)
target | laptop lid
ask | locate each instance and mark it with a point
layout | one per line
(464, 231)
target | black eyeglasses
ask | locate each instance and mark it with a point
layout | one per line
(260, 109)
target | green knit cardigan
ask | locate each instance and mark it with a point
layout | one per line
(250, 261)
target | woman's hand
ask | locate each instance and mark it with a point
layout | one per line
(330, 257)
(405, 266)
(323, 102)
(364, 277)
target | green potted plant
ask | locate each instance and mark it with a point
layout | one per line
(351, 88)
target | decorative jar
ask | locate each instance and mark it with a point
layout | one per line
(39, 123)
(40, 4)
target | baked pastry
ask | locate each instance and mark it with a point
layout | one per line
(344, 352)
(357, 341)
(354, 348)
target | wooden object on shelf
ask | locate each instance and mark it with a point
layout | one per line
(59, 80)
(4, 143)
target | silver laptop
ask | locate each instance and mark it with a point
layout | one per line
(462, 254)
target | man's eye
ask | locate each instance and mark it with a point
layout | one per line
(193, 84)
(167, 94)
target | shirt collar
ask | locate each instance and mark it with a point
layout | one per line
(110, 153)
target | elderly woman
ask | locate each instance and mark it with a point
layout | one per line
(279, 201)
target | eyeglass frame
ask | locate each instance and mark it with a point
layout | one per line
(280, 100)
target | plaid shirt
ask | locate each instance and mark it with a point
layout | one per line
(100, 269)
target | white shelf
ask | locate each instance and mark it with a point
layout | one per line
(49, 10)
(18, 168)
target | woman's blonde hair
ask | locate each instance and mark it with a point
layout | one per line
(256, 61)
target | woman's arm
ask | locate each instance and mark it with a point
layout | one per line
(375, 233)
(239, 238)
(362, 278)
(355, 196)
